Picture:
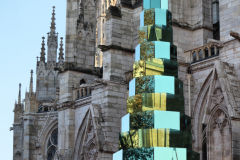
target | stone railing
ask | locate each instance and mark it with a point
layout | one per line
(204, 52)
(82, 92)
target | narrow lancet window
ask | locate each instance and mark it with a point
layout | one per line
(215, 20)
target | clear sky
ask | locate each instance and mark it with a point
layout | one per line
(22, 24)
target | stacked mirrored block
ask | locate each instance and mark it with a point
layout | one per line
(155, 49)
(155, 127)
(155, 16)
(157, 33)
(155, 101)
(167, 153)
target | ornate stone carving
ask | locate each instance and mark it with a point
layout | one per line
(217, 97)
(220, 136)
(90, 150)
(219, 120)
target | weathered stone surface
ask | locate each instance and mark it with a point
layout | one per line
(86, 105)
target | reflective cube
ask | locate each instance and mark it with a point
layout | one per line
(155, 101)
(147, 4)
(155, 84)
(156, 120)
(155, 49)
(155, 138)
(154, 66)
(155, 16)
(151, 119)
(156, 153)
(156, 33)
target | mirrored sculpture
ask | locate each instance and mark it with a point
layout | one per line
(155, 127)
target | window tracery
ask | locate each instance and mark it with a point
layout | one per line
(52, 145)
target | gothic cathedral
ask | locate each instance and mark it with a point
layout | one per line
(82, 87)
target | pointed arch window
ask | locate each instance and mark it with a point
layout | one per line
(215, 19)
(52, 145)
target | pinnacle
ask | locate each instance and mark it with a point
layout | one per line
(61, 50)
(19, 94)
(31, 83)
(53, 24)
(42, 54)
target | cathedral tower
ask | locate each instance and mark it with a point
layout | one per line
(81, 33)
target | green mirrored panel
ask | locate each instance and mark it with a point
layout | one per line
(155, 84)
(155, 101)
(155, 49)
(156, 33)
(156, 16)
(155, 138)
(151, 119)
(155, 67)
(156, 120)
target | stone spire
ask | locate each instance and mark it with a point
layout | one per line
(31, 83)
(42, 55)
(61, 54)
(52, 41)
(19, 94)
(53, 24)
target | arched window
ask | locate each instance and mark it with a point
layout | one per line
(52, 145)
(215, 20)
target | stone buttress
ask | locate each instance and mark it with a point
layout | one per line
(155, 127)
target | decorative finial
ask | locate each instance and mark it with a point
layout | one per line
(53, 24)
(19, 94)
(42, 57)
(61, 54)
(31, 83)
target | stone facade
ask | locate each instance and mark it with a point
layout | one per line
(74, 114)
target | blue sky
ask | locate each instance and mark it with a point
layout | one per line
(22, 24)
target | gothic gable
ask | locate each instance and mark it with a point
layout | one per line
(212, 111)
(87, 143)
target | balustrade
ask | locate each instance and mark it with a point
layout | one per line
(81, 92)
(204, 52)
